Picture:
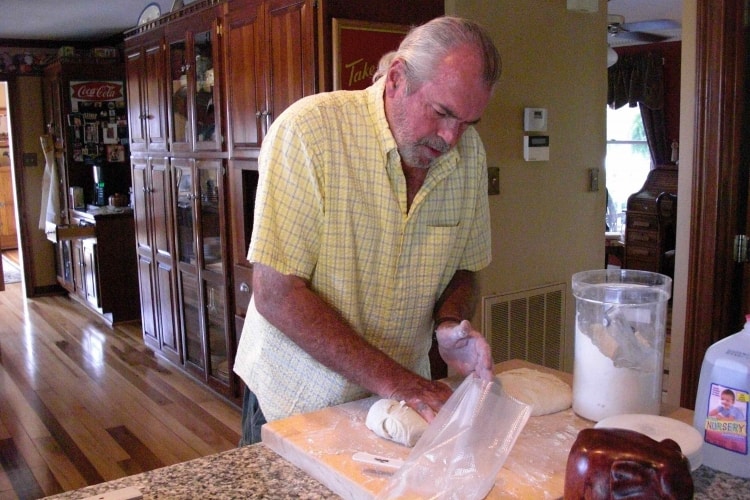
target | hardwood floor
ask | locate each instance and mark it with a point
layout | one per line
(82, 403)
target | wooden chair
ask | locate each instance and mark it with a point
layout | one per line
(666, 212)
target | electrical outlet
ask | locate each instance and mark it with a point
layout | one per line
(493, 180)
(593, 179)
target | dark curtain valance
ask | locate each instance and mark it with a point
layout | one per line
(638, 80)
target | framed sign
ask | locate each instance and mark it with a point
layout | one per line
(357, 48)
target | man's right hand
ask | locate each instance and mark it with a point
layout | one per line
(426, 397)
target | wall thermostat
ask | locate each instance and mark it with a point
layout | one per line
(535, 120)
(536, 148)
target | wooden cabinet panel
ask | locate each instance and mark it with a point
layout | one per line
(243, 77)
(146, 88)
(291, 55)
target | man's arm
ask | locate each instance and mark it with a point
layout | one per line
(461, 346)
(288, 303)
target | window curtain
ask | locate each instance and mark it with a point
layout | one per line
(638, 80)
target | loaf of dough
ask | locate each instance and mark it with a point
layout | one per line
(394, 420)
(544, 392)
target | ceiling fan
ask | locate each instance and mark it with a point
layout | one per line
(640, 31)
(621, 33)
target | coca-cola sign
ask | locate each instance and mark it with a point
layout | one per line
(96, 91)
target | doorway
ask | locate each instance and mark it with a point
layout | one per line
(10, 264)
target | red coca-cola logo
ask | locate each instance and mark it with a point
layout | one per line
(97, 91)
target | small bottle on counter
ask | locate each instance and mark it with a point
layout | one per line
(721, 405)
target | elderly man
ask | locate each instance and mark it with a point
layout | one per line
(371, 220)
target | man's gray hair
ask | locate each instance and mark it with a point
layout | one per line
(427, 45)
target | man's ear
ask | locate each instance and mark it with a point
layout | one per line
(394, 77)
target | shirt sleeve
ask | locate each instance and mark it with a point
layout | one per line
(288, 208)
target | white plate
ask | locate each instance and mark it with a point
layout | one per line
(660, 428)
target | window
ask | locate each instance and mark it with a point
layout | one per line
(628, 161)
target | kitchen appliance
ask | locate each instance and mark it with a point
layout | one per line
(108, 180)
(619, 342)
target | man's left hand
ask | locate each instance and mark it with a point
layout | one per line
(464, 349)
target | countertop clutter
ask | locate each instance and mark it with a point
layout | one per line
(310, 456)
(257, 472)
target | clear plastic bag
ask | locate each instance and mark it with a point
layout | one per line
(463, 449)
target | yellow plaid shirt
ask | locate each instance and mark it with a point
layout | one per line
(331, 208)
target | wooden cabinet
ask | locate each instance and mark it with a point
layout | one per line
(98, 263)
(179, 190)
(152, 195)
(193, 61)
(270, 62)
(205, 84)
(646, 235)
(146, 87)
(86, 115)
(202, 262)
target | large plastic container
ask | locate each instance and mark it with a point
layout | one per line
(721, 405)
(619, 342)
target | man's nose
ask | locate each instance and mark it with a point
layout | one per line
(450, 131)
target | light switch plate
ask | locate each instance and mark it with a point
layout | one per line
(493, 180)
(593, 179)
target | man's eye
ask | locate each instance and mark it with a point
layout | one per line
(441, 114)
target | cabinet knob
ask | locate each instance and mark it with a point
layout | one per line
(244, 287)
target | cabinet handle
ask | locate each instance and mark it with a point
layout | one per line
(244, 287)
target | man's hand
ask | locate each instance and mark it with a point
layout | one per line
(464, 349)
(426, 397)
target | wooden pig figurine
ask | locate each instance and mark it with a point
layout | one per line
(623, 464)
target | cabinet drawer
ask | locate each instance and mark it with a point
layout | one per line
(642, 264)
(243, 288)
(647, 238)
(642, 222)
(75, 232)
(636, 252)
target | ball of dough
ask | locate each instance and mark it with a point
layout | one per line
(394, 420)
(544, 392)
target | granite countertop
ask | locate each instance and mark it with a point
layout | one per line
(248, 472)
(258, 472)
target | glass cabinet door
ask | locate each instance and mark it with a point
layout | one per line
(206, 133)
(184, 214)
(191, 313)
(179, 68)
(217, 331)
(210, 185)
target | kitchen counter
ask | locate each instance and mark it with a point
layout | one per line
(248, 472)
(259, 472)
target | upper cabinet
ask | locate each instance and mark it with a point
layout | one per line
(146, 83)
(193, 55)
(269, 61)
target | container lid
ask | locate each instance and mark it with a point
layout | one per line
(659, 428)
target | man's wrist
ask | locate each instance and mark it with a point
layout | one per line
(444, 319)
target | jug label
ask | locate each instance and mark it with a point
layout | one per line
(726, 418)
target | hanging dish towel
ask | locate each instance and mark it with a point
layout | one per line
(50, 210)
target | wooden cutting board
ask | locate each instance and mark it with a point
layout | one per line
(322, 444)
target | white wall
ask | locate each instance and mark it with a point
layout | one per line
(546, 224)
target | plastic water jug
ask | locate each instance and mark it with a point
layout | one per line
(619, 342)
(721, 405)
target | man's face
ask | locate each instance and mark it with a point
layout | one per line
(427, 122)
